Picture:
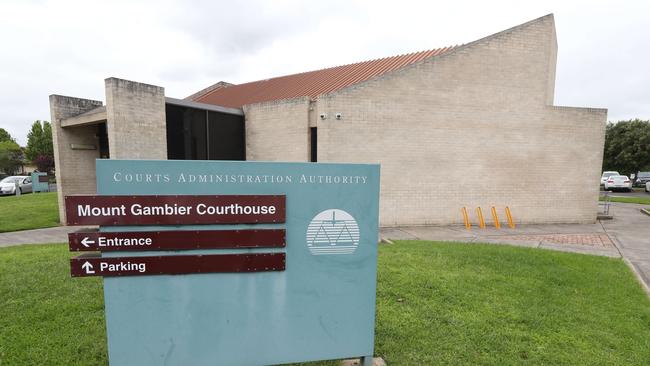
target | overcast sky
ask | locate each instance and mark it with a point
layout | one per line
(70, 47)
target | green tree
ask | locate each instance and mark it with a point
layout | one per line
(11, 157)
(4, 135)
(39, 144)
(47, 139)
(627, 146)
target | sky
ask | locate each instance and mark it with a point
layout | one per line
(69, 47)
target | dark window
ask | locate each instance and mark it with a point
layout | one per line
(195, 134)
(226, 136)
(313, 133)
(102, 137)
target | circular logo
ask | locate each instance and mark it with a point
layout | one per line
(333, 231)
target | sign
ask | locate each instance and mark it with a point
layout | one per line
(40, 182)
(175, 240)
(84, 266)
(317, 304)
(174, 210)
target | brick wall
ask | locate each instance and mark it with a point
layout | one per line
(472, 128)
(75, 169)
(136, 123)
(278, 131)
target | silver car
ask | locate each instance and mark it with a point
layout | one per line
(8, 184)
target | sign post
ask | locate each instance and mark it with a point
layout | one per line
(232, 263)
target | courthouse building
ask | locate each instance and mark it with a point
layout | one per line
(465, 126)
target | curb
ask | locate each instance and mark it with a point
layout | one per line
(645, 211)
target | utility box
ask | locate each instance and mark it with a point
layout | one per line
(40, 182)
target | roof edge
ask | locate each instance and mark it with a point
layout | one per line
(204, 106)
(208, 90)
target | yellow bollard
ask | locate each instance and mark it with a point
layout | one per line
(481, 221)
(511, 222)
(468, 225)
(497, 224)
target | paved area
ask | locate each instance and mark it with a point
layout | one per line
(591, 240)
(57, 234)
(582, 238)
(636, 193)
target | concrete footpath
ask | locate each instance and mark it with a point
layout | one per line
(58, 234)
(627, 235)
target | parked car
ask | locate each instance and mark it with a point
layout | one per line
(618, 182)
(647, 187)
(8, 184)
(642, 179)
(606, 175)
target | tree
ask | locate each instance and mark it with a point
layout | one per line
(47, 138)
(40, 150)
(627, 146)
(11, 157)
(4, 135)
(44, 163)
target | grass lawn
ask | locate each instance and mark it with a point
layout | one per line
(437, 303)
(29, 211)
(639, 200)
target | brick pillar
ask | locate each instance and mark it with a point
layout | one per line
(75, 169)
(136, 124)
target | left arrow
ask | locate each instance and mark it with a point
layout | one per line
(85, 241)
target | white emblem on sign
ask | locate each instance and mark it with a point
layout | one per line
(333, 232)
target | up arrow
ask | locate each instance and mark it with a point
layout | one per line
(88, 267)
(85, 241)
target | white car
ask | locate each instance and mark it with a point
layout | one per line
(8, 185)
(647, 187)
(621, 182)
(606, 175)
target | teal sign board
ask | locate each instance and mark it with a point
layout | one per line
(40, 182)
(321, 306)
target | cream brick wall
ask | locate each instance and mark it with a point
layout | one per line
(278, 131)
(75, 169)
(136, 122)
(472, 128)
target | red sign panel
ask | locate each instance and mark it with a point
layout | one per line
(174, 210)
(175, 240)
(85, 265)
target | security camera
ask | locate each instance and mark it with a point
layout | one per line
(339, 116)
(323, 116)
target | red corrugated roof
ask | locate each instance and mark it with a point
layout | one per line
(312, 83)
